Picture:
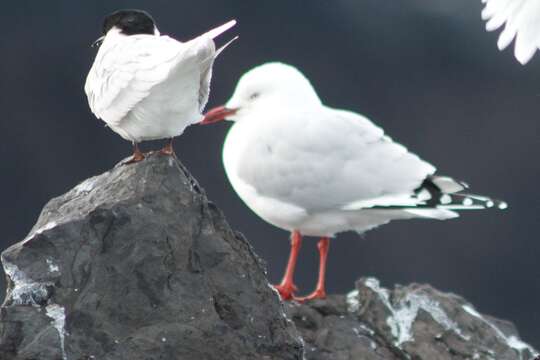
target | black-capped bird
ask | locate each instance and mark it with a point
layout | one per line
(148, 86)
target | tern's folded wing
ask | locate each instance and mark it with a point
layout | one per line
(522, 18)
(330, 159)
(124, 73)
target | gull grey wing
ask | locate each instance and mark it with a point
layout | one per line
(329, 159)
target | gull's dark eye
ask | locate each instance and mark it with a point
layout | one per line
(254, 96)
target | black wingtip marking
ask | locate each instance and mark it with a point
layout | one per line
(455, 201)
(431, 196)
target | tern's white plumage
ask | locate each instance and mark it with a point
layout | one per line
(315, 170)
(148, 86)
(522, 19)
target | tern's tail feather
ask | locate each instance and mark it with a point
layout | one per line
(220, 29)
(206, 45)
(212, 34)
(218, 51)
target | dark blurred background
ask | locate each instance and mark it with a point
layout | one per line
(425, 70)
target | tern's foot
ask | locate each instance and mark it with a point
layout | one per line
(317, 294)
(166, 151)
(135, 159)
(286, 291)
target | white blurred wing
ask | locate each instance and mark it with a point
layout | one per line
(522, 18)
(330, 159)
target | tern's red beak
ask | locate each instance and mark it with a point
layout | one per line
(217, 114)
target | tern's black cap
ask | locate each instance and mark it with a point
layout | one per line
(130, 22)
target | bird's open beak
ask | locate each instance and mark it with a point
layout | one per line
(217, 114)
(98, 41)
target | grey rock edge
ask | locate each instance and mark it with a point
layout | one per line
(137, 264)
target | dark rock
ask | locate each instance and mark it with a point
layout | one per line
(137, 264)
(412, 322)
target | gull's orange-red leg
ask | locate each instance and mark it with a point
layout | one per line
(287, 288)
(320, 290)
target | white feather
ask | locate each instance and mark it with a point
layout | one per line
(522, 19)
(214, 33)
(149, 87)
(437, 213)
(311, 153)
(301, 165)
(448, 185)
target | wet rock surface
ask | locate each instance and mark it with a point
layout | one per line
(137, 264)
(411, 322)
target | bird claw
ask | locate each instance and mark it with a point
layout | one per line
(286, 291)
(168, 149)
(134, 159)
(166, 152)
(317, 294)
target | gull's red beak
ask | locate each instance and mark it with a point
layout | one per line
(217, 114)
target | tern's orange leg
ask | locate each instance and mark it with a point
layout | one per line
(320, 291)
(168, 148)
(287, 288)
(137, 155)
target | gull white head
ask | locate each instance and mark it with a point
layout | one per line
(271, 85)
(127, 22)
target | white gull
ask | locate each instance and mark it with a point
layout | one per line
(315, 170)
